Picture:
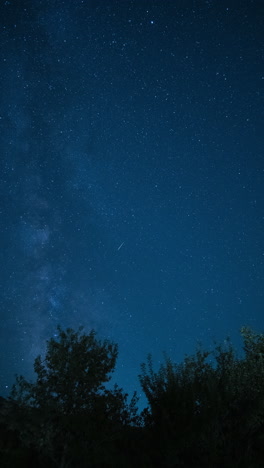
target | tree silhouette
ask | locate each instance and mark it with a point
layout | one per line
(68, 413)
(205, 411)
(208, 410)
(75, 368)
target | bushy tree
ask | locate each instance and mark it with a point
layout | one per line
(67, 413)
(74, 370)
(208, 410)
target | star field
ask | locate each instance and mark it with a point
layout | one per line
(132, 175)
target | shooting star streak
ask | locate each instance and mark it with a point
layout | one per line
(121, 245)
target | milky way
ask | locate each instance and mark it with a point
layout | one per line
(131, 176)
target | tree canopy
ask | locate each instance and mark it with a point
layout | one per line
(210, 407)
(74, 370)
(205, 411)
(67, 410)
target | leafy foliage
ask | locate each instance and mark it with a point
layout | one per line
(75, 368)
(68, 412)
(206, 411)
(210, 408)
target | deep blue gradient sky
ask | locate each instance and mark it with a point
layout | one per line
(132, 175)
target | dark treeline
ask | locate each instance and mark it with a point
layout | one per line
(207, 411)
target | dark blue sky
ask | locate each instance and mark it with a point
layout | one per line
(132, 175)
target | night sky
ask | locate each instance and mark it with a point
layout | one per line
(131, 176)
